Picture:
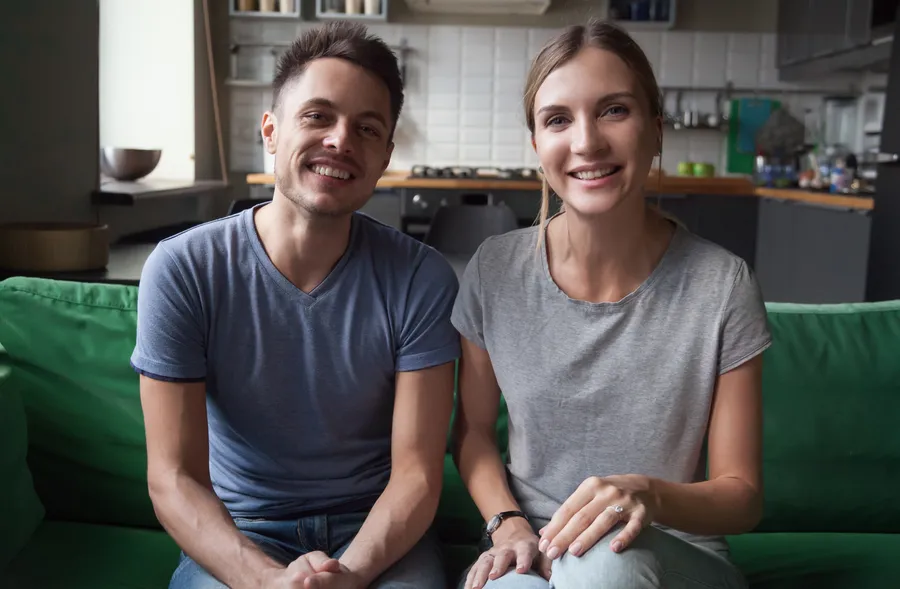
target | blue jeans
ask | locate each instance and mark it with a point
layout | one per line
(655, 560)
(285, 541)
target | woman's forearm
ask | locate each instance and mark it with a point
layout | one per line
(483, 473)
(726, 505)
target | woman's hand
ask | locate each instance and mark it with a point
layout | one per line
(594, 509)
(516, 546)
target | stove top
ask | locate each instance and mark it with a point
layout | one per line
(464, 172)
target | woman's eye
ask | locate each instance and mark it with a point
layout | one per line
(616, 111)
(557, 120)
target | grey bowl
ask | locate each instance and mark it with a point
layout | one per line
(128, 164)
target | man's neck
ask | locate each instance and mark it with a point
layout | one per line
(304, 247)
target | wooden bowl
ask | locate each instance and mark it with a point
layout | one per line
(53, 247)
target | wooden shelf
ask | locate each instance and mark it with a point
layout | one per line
(322, 14)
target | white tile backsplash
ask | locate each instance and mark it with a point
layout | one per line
(464, 86)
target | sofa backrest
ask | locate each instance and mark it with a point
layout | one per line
(21, 511)
(831, 403)
(69, 345)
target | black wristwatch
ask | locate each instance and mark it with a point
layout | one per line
(498, 519)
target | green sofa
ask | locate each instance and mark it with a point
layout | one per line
(74, 510)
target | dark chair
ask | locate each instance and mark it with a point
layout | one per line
(459, 230)
(245, 203)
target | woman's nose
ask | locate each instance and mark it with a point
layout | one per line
(588, 138)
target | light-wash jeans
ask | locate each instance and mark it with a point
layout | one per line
(285, 541)
(655, 560)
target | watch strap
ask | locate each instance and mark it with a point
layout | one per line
(498, 519)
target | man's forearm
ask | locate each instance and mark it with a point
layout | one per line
(725, 505)
(199, 523)
(398, 520)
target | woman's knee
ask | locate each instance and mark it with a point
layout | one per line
(635, 568)
(514, 580)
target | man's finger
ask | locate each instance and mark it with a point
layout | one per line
(322, 563)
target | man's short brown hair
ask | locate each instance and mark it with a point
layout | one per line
(342, 40)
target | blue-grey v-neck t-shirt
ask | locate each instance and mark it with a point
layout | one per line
(300, 386)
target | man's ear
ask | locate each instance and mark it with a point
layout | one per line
(269, 131)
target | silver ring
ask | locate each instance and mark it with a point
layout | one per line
(618, 509)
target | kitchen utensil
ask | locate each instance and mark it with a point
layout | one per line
(286, 6)
(53, 247)
(752, 115)
(685, 168)
(127, 164)
(373, 7)
(267, 5)
(354, 6)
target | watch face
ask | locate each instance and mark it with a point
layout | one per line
(493, 524)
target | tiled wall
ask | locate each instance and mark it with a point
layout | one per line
(464, 90)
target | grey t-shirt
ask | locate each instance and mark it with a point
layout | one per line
(598, 389)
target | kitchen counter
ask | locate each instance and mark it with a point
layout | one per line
(655, 185)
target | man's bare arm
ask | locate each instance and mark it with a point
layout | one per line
(181, 491)
(406, 509)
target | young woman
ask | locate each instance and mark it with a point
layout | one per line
(627, 350)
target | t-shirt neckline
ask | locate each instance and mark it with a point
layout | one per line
(324, 287)
(608, 306)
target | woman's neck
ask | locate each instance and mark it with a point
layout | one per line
(604, 258)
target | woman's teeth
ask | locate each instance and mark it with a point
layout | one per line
(594, 174)
(332, 172)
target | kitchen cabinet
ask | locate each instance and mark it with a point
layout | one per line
(816, 37)
(811, 253)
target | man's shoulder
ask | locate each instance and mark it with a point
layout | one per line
(204, 241)
(403, 254)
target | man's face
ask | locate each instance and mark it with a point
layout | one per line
(330, 136)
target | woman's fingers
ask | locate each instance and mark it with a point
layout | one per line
(631, 530)
(478, 575)
(601, 526)
(502, 560)
(583, 495)
(524, 557)
(578, 524)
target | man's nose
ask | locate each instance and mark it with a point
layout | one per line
(340, 137)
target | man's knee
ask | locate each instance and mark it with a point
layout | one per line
(190, 575)
(635, 568)
(421, 568)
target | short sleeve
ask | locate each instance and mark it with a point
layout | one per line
(467, 311)
(427, 337)
(170, 342)
(745, 327)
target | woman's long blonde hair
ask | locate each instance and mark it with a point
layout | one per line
(565, 47)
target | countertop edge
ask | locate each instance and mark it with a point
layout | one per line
(655, 185)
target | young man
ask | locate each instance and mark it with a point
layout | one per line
(296, 359)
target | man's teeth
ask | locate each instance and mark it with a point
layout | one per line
(593, 174)
(333, 172)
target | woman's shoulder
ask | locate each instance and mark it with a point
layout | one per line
(706, 258)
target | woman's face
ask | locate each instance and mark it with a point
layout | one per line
(593, 133)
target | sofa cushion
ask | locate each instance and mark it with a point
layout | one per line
(70, 344)
(831, 397)
(21, 511)
(88, 556)
(820, 560)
